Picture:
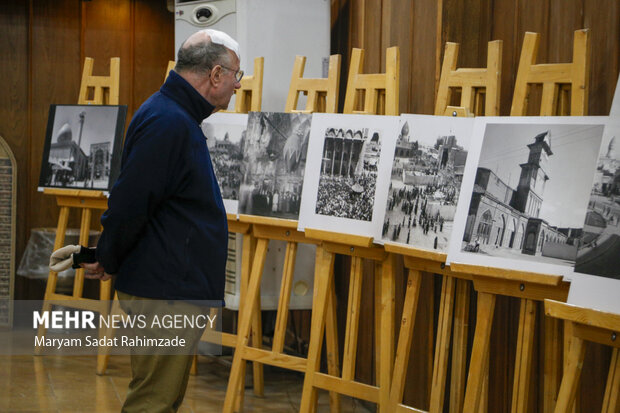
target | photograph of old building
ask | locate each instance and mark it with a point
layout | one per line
(274, 161)
(599, 247)
(426, 178)
(527, 193)
(225, 133)
(83, 146)
(347, 176)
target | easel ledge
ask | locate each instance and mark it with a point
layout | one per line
(509, 275)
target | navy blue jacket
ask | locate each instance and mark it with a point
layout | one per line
(165, 232)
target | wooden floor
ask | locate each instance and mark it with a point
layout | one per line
(69, 384)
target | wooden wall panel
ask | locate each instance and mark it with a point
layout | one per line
(14, 124)
(504, 28)
(108, 32)
(153, 48)
(55, 78)
(425, 57)
(602, 17)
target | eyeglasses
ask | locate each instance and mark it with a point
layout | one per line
(237, 73)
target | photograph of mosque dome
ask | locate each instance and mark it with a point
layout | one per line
(83, 146)
(274, 161)
(429, 161)
(526, 193)
(225, 133)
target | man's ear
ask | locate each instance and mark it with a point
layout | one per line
(216, 74)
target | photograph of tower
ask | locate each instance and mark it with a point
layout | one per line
(347, 176)
(274, 160)
(525, 193)
(429, 161)
(225, 133)
(83, 146)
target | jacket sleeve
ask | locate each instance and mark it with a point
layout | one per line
(147, 172)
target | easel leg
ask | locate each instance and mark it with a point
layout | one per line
(552, 362)
(572, 372)
(523, 362)
(244, 325)
(459, 346)
(322, 282)
(50, 288)
(331, 341)
(611, 402)
(384, 334)
(78, 283)
(442, 345)
(482, 337)
(103, 358)
(405, 337)
(352, 327)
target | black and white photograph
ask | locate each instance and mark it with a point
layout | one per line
(526, 192)
(83, 146)
(426, 178)
(596, 281)
(225, 133)
(274, 161)
(348, 171)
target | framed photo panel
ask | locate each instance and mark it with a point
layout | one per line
(525, 192)
(596, 282)
(426, 178)
(348, 173)
(274, 161)
(225, 133)
(83, 146)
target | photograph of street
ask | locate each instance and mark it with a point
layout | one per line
(599, 247)
(83, 146)
(274, 161)
(429, 161)
(225, 133)
(528, 192)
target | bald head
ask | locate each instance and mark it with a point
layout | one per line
(205, 49)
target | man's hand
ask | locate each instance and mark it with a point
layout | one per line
(95, 271)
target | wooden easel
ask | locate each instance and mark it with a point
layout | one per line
(358, 248)
(264, 230)
(594, 326)
(249, 96)
(553, 78)
(473, 82)
(322, 93)
(105, 90)
(456, 287)
(380, 90)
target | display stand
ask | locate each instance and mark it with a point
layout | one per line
(456, 287)
(593, 326)
(380, 90)
(474, 83)
(322, 93)
(553, 78)
(249, 96)
(264, 230)
(530, 288)
(171, 65)
(104, 90)
(358, 248)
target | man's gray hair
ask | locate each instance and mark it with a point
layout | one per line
(200, 57)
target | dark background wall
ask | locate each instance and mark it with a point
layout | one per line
(44, 42)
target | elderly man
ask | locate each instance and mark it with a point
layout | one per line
(165, 231)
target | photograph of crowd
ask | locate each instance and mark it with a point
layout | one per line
(274, 161)
(225, 133)
(527, 192)
(426, 178)
(349, 173)
(83, 146)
